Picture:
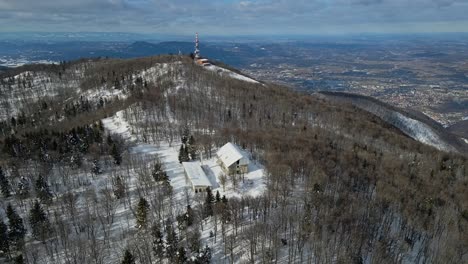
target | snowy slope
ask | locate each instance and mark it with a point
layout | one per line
(412, 127)
(29, 87)
(420, 132)
(226, 72)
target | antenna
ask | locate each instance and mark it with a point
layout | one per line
(197, 50)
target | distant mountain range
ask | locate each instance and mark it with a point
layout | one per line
(230, 53)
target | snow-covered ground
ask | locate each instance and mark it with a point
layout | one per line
(251, 184)
(421, 132)
(16, 62)
(223, 71)
(105, 94)
(116, 124)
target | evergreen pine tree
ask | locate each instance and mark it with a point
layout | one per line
(4, 184)
(96, 169)
(165, 179)
(23, 187)
(119, 187)
(142, 213)
(193, 239)
(172, 240)
(191, 149)
(158, 242)
(16, 226)
(128, 258)
(190, 215)
(185, 135)
(209, 202)
(186, 219)
(181, 255)
(42, 190)
(225, 213)
(181, 151)
(186, 154)
(183, 154)
(218, 197)
(101, 126)
(19, 259)
(110, 141)
(115, 152)
(158, 172)
(38, 221)
(4, 239)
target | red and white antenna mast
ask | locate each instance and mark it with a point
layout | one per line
(197, 50)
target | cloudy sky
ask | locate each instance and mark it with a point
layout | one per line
(231, 17)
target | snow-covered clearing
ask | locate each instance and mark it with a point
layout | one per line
(251, 184)
(94, 94)
(116, 124)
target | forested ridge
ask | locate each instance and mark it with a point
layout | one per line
(342, 185)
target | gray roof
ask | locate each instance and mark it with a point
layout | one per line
(196, 174)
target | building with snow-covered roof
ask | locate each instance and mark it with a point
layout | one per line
(197, 177)
(232, 159)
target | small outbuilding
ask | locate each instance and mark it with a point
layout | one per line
(197, 177)
(232, 159)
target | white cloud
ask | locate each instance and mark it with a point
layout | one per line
(229, 17)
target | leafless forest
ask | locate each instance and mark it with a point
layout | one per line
(342, 186)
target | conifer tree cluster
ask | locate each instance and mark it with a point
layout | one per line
(158, 173)
(23, 187)
(4, 239)
(65, 146)
(119, 187)
(42, 190)
(172, 241)
(142, 213)
(96, 168)
(5, 186)
(209, 200)
(128, 258)
(18, 259)
(16, 228)
(158, 241)
(116, 153)
(39, 222)
(188, 149)
(186, 219)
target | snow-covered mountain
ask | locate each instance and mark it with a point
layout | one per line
(101, 145)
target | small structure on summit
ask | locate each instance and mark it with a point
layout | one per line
(197, 177)
(197, 57)
(232, 159)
